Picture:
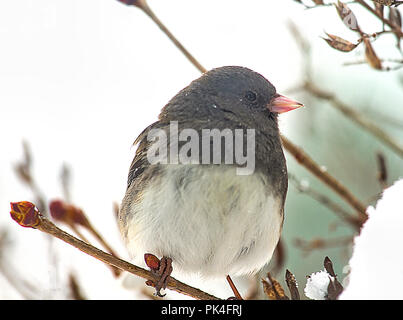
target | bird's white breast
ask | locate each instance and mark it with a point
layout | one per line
(207, 219)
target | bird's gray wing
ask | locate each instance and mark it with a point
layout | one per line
(140, 162)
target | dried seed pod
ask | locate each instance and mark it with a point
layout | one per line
(384, 2)
(292, 285)
(347, 16)
(327, 263)
(334, 288)
(379, 8)
(395, 17)
(371, 56)
(339, 43)
(273, 289)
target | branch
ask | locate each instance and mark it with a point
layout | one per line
(142, 4)
(345, 109)
(305, 160)
(319, 243)
(355, 116)
(327, 202)
(394, 22)
(398, 64)
(389, 3)
(393, 26)
(27, 215)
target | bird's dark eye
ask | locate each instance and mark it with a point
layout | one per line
(250, 95)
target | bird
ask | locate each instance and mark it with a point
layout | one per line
(203, 209)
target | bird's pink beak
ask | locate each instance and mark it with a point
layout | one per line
(281, 104)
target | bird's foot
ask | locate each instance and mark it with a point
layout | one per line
(162, 268)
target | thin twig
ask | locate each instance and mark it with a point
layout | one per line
(398, 62)
(382, 170)
(234, 288)
(305, 160)
(335, 102)
(319, 243)
(347, 111)
(349, 19)
(65, 179)
(78, 233)
(75, 289)
(142, 4)
(173, 284)
(101, 239)
(387, 119)
(75, 217)
(355, 116)
(25, 214)
(327, 202)
(394, 27)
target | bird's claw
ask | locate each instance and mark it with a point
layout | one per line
(162, 268)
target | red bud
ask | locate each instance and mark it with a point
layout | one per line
(25, 214)
(67, 213)
(152, 261)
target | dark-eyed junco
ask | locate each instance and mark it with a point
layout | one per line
(208, 182)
